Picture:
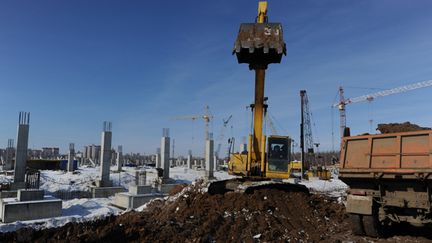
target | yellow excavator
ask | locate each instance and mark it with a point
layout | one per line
(260, 44)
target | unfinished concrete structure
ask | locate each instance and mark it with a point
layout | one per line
(209, 158)
(9, 154)
(29, 204)
(215, 163)
(119, 157)
(105, 155)
(140, 177)
(21, 150)
(104, 187)
(165, 153)
(158, 158)
(189, 160)
(71, 157)
(140, 193)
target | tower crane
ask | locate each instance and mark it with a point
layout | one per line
(271, 125)
(222, 134)
(306, 138)
(341, 105)
(206, 118)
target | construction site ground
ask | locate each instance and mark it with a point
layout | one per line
(193, 215)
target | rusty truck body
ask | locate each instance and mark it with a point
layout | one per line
(390, 179)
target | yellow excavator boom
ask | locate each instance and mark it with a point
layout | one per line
(258, 44)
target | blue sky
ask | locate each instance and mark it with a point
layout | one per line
(74, 64)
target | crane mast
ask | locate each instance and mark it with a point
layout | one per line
(342, 113)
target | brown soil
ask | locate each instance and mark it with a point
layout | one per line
(196, 216)
(399, 127)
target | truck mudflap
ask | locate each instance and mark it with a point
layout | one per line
(359, 204)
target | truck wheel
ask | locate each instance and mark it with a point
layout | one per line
(356, 224)
(371, 226)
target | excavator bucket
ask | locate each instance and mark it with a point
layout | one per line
(260, 44)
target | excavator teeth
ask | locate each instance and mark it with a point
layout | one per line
(260, 43)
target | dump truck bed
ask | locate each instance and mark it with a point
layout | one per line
(405, 155)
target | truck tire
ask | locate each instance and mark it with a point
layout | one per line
(356, 224)
(371, 226)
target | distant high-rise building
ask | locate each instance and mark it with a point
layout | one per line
(92, 152)
(34, 153)
(50, 152)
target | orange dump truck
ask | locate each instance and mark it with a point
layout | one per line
(390, 179)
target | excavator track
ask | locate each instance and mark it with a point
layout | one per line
(249, 184)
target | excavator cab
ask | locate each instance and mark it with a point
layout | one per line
(278, 157)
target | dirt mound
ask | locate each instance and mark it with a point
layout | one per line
(193, 215)
(400, 127)
(196, 216)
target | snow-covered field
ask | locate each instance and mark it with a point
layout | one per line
(83, 178)
(332, 188)
(75, 210)
(80, 210)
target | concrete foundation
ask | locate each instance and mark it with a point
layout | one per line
(166, 188)
(29, 204)
(6, 194)
(100, 183)
(98, 192)
(18, 185)
(30, 195)
(136, 197)
(140, 189)
(12, 210)
(127, 200)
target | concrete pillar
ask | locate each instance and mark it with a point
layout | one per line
(119, 157)
(9, 155)
(209, 159)
(71, 156)
(243, 147)
(189, 161)
(215, 162)
(165, 153)
(21, 147)
(158, 158)
(105, 155)
(140, 178)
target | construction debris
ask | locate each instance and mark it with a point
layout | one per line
(400, 127)
(193, 215)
